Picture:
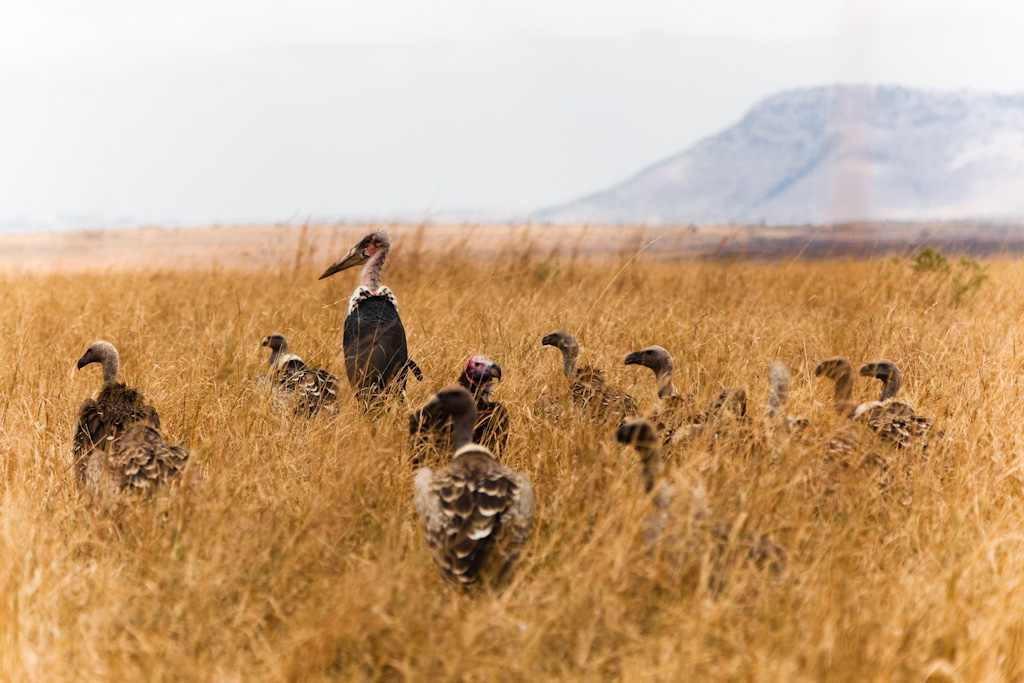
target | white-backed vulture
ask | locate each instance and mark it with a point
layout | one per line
(676, 418)
(475, 513)
(492, 423)
(895, 421)
(674, 410)
(117, 443)
(845, 440)
(312, 388)
(589, 390)
(376, 354)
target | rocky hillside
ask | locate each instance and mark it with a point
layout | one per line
(832, 154)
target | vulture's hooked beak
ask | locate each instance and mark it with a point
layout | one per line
(356, 257)
(492, 372)
(633, 358)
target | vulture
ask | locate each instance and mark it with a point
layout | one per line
(475, 513)
(589, 390)
(656, 527)
(492, 423)
(376, 354)
(642, 435)
(312, 388)
(895, 421)
(674, 410)
(839, 370)
(117, 443)
(675, 417)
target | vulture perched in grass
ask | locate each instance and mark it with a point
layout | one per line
(589, 390)
(642, 435)
(840, 371)
(895, 421)
(492, 423)
(658, 527)
(675, 418)
(674, 410)
(117, 443)
(376, 354)
(844, 441)
(475, 513)
(312, 388)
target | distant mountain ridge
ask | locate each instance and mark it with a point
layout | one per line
(832, 154)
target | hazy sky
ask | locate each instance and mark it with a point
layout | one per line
(199, 111)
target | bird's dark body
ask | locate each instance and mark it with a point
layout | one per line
(314, 388)
(104, 420)
(117, 445)
(376, 354)
(435, 431)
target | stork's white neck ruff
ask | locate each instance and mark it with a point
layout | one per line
(362, 293)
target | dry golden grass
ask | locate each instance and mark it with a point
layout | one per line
(298, 557)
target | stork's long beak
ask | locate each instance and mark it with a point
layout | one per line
(355, 257)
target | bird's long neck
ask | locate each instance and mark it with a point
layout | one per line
(843, 399)
(663, 375)
(276, 354)
(462, 428)
(652, 466)
(371, 271)
(111, 365)
(891, 385)
(777, 400)
(569, 355)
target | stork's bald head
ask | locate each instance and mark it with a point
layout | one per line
(377, 242)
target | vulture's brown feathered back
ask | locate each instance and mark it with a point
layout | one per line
(313, 389)
(476, 514)
(590, 391)
(117, 443)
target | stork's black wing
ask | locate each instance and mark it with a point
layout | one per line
(375, 347)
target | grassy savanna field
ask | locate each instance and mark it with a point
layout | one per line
(298, 556)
